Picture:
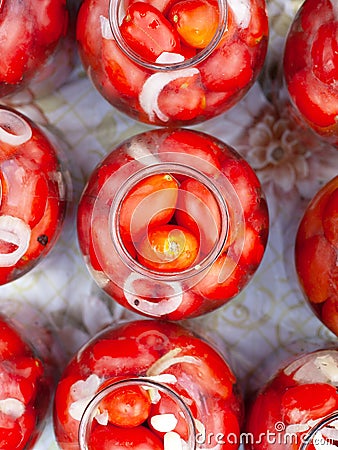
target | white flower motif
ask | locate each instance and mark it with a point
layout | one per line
(285, 154)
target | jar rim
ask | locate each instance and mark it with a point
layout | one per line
(113, 18)
(195, 269)
(310, 435)
(149, 383)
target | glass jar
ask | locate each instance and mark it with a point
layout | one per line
(33, 192)
(145, 385)
(287, 411)
(173, 223)
(311, 66)
(26, 384)
(316, 254)
(173, 62)
(30, 32)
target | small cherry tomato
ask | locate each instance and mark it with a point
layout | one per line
(148, 32)
(196, 21)
(324, 53)
(183, 98)
(168, 248)
(315, 261)
(330, 219)
(197, 210)
(127, 406)
(308, 402)
(151, 202)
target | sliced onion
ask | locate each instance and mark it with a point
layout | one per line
(297, 428)
(19, 130)
(106, 31)
(330, 433)
(168, 360)
(14, 231)
(241, 11)
(172, 441)
(12, 407)
(318, 367)
(154, 85)
(164, 422)
(329, 367)
(82, 392)
(158, 309)
(320, 443)
(141, 153)
(102, 418)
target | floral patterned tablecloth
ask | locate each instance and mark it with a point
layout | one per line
(267, 321)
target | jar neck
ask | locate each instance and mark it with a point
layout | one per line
(161, 423)
(191, 274)
(171, 63)
(323, 435)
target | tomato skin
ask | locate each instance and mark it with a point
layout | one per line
(198, 211)
(127, 406)
(330, 219)
(183, 99)
(308, 402)
(148, 32)
(156, 194)
(324, 53)
(196, 21)
(168, 248)
(108, 437)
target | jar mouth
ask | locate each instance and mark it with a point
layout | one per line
(196, 268)
(325, 433)
(154, 388)
(175, 63)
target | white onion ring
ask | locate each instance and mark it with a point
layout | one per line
(241, 11)
(158, 309)
(20, 133)
(14, 231)
(154, 85)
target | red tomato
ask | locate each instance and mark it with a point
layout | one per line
(223, 281)
(88, 32)
(148, 32)
(161, 5)
(308, 402)
(295, 53)
(258, 28)
(66, 427)
(125, 76)
(329, 313)
(11, 343)
(182, 146)
(183, 98)
(110, 437)
(167, 405)
(168, 248)
(196, 21)
(315, 261)
(228, 68)
(127, 406)
(264, 414)
(15, 43)
(109, 357)
(151, 202)
(324, 53)
(316, 101)
(24, 193)
(330, 219)
(52, 20)
(197, 210)
(314, 13)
